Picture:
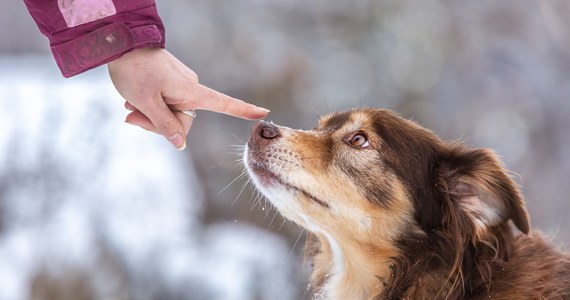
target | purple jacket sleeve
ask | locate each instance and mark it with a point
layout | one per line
(85, 34)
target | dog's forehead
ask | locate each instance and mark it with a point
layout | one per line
(346, 121)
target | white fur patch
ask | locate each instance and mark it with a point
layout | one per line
(483, 212)
(338, 262)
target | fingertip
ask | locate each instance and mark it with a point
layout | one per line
(182, 147)
(136, 118)
(130, 107)
(262, 111)
(131, 120)
(178, 141)
(256, 113)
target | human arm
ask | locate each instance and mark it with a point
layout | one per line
(84, 34)
(129, 36)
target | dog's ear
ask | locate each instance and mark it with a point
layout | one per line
(477, 182)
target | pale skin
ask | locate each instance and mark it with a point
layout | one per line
(155, 85)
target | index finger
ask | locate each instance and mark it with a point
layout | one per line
(209, 99)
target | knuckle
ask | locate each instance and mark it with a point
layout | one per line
(143, 101)
(167, 126)
(225, 106)
(193, 77)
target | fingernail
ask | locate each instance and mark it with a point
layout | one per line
(264, 109)
(177, 141)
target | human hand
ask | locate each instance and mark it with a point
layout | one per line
(156, 86)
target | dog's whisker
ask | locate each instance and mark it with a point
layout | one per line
(212, 166)
(239, 194)
(264, 207)
(256, 202)
(294, 246)
(281, 226)
(237, 148)
(253, 198)
(238, 138)
(272, 219)
(244, 172)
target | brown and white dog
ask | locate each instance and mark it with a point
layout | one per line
(396, 213)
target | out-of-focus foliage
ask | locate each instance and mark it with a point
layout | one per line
(491, 73)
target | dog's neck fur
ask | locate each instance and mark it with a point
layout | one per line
(353, 271)
(350, 270)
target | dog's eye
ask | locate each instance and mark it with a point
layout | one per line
(359, 140)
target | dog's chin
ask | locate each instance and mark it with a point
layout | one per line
(282, 195)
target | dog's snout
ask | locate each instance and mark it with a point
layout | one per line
(263, 132)
(267, 130)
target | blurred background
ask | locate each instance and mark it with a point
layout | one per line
(91, 208)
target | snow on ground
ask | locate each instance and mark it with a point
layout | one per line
(75, 182)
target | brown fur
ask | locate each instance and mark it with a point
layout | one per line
(401, 214)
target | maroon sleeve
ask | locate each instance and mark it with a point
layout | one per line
(84, 34)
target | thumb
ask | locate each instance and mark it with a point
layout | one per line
(165, 122)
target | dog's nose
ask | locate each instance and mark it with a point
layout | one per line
(263, 133)
(266, 130)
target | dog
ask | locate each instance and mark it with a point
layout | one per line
(394, 212)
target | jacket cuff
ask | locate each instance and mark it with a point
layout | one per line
(104, 45)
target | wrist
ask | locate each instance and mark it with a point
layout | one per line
(131, 55)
